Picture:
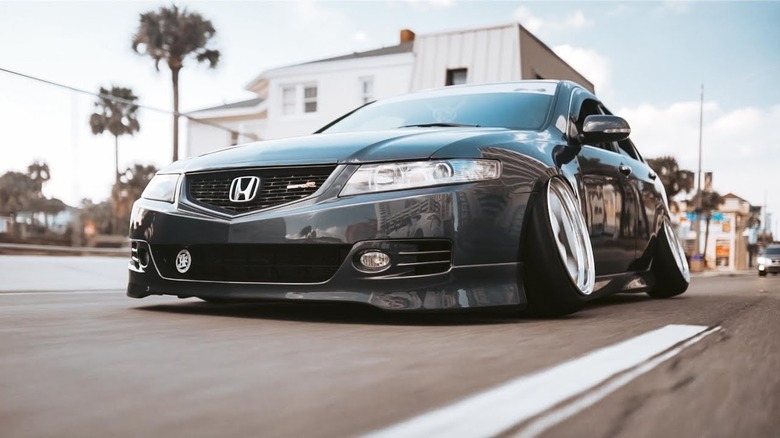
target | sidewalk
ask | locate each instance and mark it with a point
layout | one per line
(716, 273)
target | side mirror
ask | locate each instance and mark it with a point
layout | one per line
(604, 129)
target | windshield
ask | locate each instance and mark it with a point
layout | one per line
(511, 110)
(772, 251)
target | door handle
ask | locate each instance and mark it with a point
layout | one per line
(652, 175)
(625, 170)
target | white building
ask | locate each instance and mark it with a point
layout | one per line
(299, 99)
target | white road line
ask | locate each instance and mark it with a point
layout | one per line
(499, 409)
(65, 292)
(550, 419)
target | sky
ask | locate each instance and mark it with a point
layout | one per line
(648, 61)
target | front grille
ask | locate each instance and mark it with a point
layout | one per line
(211, 189)
(252, 263)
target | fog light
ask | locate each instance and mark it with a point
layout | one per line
(374, 260)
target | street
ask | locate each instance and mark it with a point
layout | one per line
(80, 359)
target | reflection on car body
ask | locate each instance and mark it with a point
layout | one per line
(526, 194)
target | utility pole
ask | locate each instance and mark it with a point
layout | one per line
(766, 218)
(697, 223)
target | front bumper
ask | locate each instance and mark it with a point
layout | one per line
(481, 223)
(460, 287)
(769, 268)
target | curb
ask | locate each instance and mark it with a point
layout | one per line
(24, 249)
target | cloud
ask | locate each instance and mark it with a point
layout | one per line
(531, 22)
(427, 4)
(576, 21)
(535, 24)
(738, 145)
(674, 7)
(324, 30)
(594, 66)
(618, 11)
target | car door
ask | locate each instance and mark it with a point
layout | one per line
(642, 182)
(610, 202)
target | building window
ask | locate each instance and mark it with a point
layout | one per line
(310, 99)
(288, 99)
(456, 76)
(367, 89)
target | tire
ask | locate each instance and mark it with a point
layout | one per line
(559, 271)
(670, 267)
(762, 274)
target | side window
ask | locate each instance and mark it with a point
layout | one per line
(627, 148)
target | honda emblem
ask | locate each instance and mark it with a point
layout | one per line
(244, 188)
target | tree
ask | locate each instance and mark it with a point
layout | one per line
(98, 217)
(119, 117)
(21, 192)
(173, 35)
(710, 201)
(129, 188)
(16, 191)
(39, 173)
(674, 179)
(49, 208)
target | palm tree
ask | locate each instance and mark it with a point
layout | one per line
(39, 172)
(172, 35)
(710, 201)
(130, 187)
(118, 116)
(674, 179)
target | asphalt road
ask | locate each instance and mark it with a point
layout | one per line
(78, 358)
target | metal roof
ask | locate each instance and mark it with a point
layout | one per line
(390, 50)
(233, 105)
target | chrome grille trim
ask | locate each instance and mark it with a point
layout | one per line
(210, 189)
(434, 262)
(446, 251)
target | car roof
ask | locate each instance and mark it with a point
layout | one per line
(549, 87)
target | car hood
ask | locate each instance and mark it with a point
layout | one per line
(352, 147)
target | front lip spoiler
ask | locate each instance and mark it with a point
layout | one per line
(462, 287)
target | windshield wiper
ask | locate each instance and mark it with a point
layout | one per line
(439, 125)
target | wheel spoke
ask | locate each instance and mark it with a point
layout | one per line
(571, 236)
(678, 253)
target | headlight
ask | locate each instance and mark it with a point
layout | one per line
(763, 261)
(161, 188)
(374, 178)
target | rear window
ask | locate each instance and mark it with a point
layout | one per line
(512, 110)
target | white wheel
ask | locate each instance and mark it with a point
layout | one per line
(559, 272)
(571, 236)
(670, 266)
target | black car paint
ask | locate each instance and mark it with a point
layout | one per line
(483, 220)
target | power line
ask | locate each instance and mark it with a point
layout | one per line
(128, 102)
